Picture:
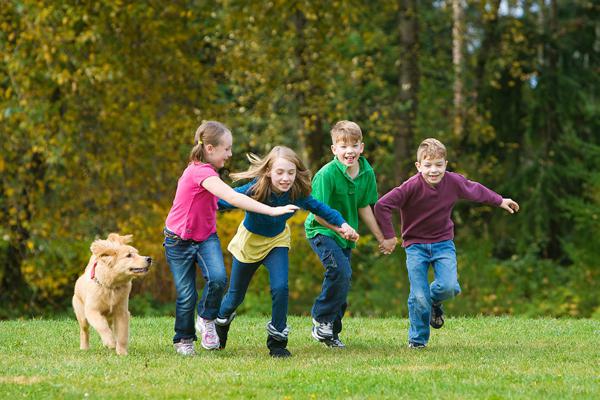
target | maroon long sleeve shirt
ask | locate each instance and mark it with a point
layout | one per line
(425, 210)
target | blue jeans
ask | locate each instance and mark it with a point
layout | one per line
(442, 256)
(331, 304)
(277, 263)
(182, 257)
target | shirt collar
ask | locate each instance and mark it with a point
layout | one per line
(363, 166)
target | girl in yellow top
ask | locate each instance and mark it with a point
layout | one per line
(279, 178)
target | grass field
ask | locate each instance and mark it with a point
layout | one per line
(481, 358)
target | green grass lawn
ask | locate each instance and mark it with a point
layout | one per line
(482, 358)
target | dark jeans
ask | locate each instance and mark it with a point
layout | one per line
(182, 257)
(277, 263)
(331, 304)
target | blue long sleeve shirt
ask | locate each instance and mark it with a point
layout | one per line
(268, 226)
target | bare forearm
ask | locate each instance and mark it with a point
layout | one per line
(220, 189)
(326, 224)
(247, 203)
(366, 214)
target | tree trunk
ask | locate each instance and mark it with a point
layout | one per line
(409, 85)
(552, 129)
(457, 60)
(488, 49)
(311, 138)
(302, 76)
(316, 143)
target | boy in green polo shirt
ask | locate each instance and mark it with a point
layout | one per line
(347, 184)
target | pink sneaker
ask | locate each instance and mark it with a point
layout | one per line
(206, 328)
(185, 347)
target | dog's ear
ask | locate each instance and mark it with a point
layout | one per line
(115, 237)
(103, 248)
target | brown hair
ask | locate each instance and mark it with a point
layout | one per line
(431, 148)
(260, 169)
(209, 132)
(346, 131)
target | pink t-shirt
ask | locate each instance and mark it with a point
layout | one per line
(194, 211)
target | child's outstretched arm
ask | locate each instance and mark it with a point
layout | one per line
(509, 205)
(220, 189)
(329, 217)
(392, 200)
(244, 189)
(366, 214)
(475, 191)
(345, 230)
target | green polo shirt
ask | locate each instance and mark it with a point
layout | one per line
(334, 187)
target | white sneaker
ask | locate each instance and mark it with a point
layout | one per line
(185, 347)
(322, 330)
(206, 328)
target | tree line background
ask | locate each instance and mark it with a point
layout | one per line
(99, 102)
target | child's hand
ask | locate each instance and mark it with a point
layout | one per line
(509, 205)
(348, 232)
(290, 208)
(386, 246)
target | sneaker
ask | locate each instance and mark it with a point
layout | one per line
(436, 320)
(225, 321)
(277, 347)
(272, 331)
(415, 345)
(185, 347)
(210, 339)
(222, 326)
(222, 333)
(334, 342)
(280, 353)
(322, 330)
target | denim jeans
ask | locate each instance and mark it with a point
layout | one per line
(277, 263)
(182, 257)
(331, 304)
(442, 256)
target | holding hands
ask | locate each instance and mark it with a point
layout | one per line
(348, 232)
(509, 205)
(387, 246)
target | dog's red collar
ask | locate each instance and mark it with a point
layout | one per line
(93, 273)
(93, 277)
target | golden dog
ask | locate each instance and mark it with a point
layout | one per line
(101, 296)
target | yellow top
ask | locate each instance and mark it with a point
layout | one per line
(249, 247)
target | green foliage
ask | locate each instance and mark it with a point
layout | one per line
(99, 103)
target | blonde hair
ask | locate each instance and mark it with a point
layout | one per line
(260, 168)
(431, 148)
(346, 132)
(209, 132)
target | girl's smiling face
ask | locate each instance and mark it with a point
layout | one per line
(282, 175)
(219, 154)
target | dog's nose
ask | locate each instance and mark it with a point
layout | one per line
(149, 260)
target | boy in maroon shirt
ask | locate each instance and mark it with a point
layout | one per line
(425, 202)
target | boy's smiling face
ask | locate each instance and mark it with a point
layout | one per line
(432, 169)
(348, 153)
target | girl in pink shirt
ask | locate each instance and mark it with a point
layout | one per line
(191, 236)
